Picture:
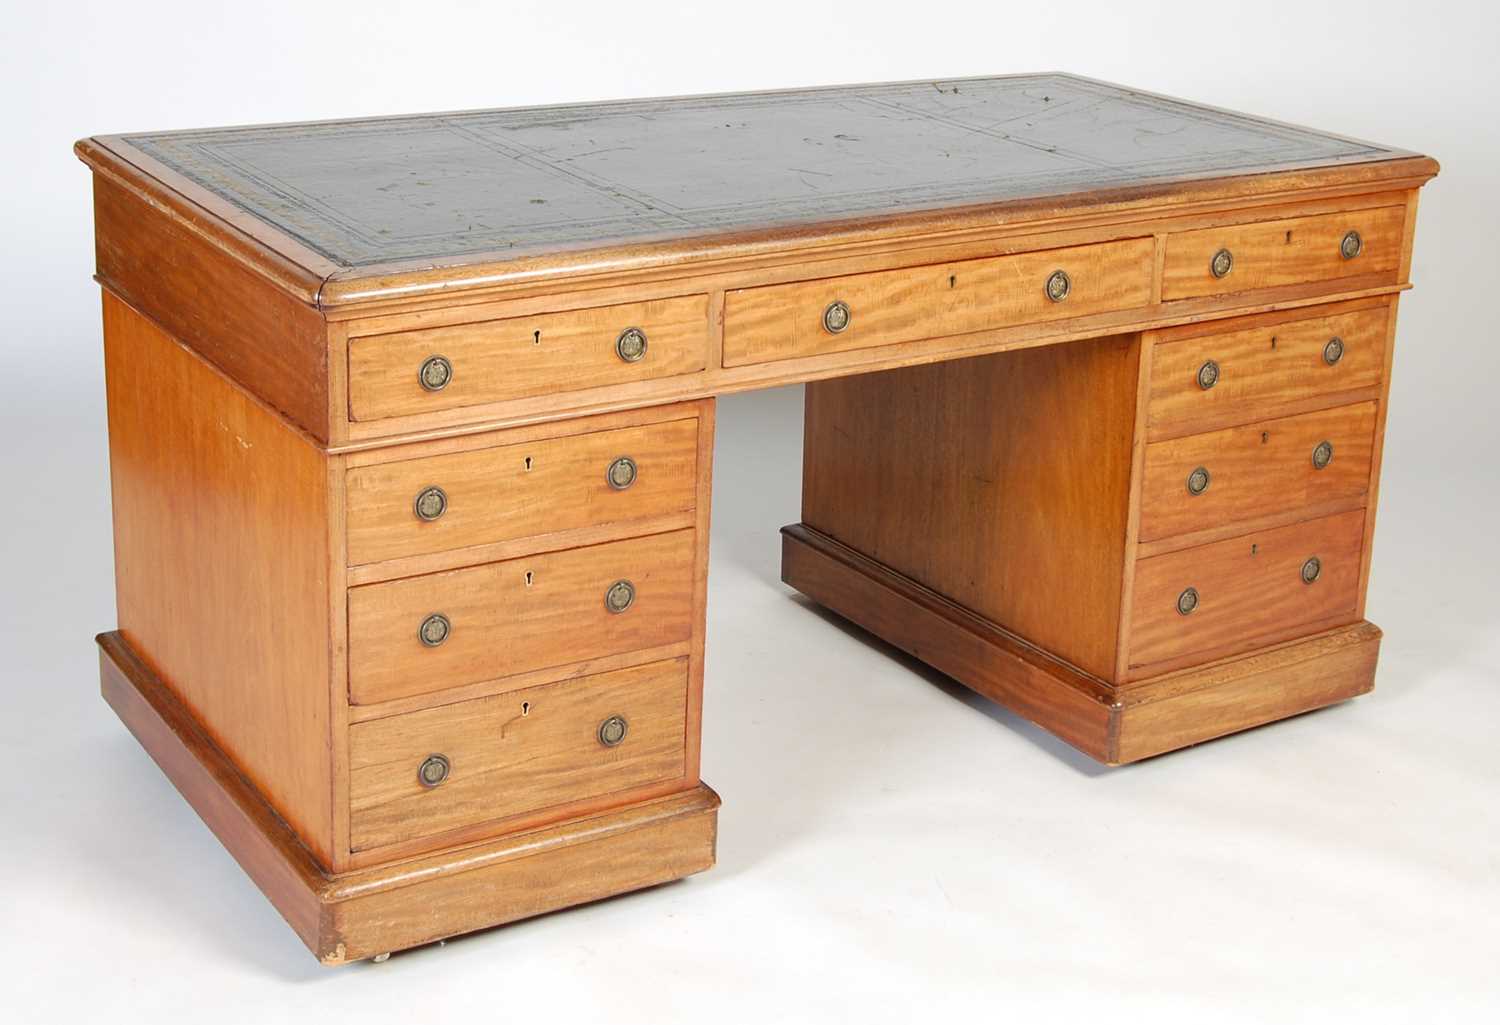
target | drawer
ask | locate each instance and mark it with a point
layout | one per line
(467, 364)
(775, 322)
(1249, 590)
(443, 502)
(1260, 369)
(510, 754)
(1261, 469)
(519, 615)
(1291, 251)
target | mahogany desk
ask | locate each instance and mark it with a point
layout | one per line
(411, 429)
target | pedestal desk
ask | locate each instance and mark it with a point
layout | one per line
(411, 433)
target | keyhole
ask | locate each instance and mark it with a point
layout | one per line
(525, 709)
(1273, 341)
(1265, 436)
(536, 337)
(1255, 549)
(953, 281)
(528, 464)
(1289, 238)
(528, 578)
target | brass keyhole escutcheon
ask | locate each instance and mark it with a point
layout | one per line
(621, 473)
(1059, 286)
(434, 630)
(1333, 351)
(435, 373)
(433, 770)
(631, 345)
(1221, 264)
(1351, 245)
(1322, 455)
(1187, 601)
(620, 596)
(613, 730)
(1208, 375)
(431, 503)
(836, 316)
(1198, 481)
(1312, 569)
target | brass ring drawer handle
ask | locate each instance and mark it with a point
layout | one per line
(1322, 455)
(1187, 602)
(631, 345)
(430, 503)
(435, 373)
(1221, 264)
(1312, 569)
(434, 770)
(1208, 375)
(1059, 286)
(434, 630)
(612, 730)
(1351, 245)
(621, 473)
(1198, 481)
(620, 596)
(836, 316)
(1333, 351)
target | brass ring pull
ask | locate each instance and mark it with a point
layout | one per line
(1208, 375)
(430, 503)
(1059, 286)
(1351, 245)
(1198, 481)
(1221, 264)
(1322, 455)
(621, 473)
(620, 596)
(435, 373)
(434, 770)
(836, 316)
(1187, 602)
(434, 630)
(1312, 569)
(613, 730)
(631, 345)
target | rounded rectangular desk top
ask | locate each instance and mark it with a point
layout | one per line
(359, 208)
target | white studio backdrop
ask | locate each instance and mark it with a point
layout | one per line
(890, 847)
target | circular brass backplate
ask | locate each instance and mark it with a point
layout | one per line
(613, 730)
(1059, 286)
(434, 630)
(433, 770)
(1312, 569)
(1322, 455)
(1208, 375)
(620, 596)
(1198, 481)
(836, 316)
(631, 345)
(1221, 264)
(1351, 245)
(431, 503)
(1187, 601)
(1333, 351)
(435, 373)
(621, 473)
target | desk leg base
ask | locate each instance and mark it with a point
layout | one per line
(1112, 724)
(365, 913)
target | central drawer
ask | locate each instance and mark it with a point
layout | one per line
(430, 633)
(458, 765)
(857, 311)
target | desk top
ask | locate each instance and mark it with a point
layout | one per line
(347, 199)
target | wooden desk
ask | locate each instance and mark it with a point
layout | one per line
(411, 434)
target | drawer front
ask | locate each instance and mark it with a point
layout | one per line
(777, 322)
(1260, 369)
(1261, 469)
(1249, 590)
(439, 503)
(518, 615)
(515, 753)
(510, 359)
(1293, 251)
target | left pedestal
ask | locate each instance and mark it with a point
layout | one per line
(423, 687)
